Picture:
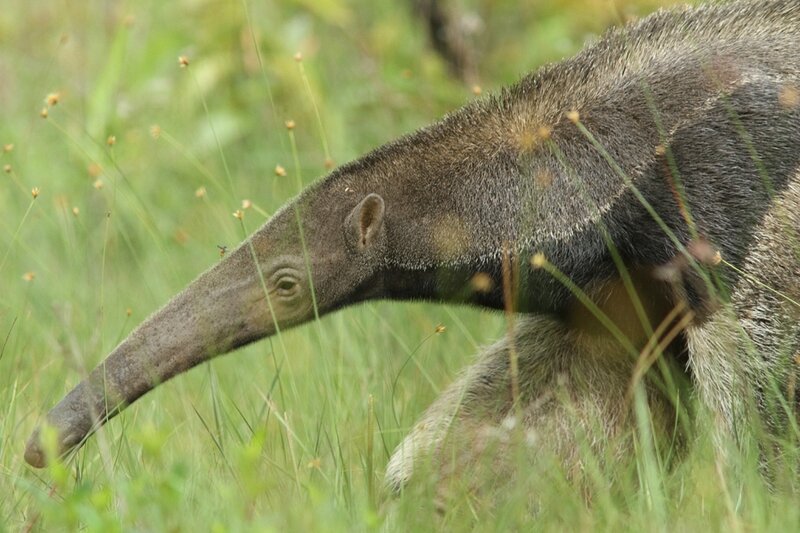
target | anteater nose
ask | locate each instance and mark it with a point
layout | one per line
(34, 455)
(34, 451)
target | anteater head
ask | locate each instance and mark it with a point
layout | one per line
(319, 253)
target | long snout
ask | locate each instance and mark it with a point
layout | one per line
(223, 309)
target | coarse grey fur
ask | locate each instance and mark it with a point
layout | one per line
(638, 157)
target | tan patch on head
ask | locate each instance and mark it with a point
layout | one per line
(450, 237)
(789, 96)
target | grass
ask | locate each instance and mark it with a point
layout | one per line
(292, 433)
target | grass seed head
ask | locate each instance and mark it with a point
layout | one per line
(526, 141)
(98, 184)
(200, 192)
(704, 252)
(440, 329)
(529, 137)
(672, 271)
(128, 311)
(7, 169)
(538, 260)
(476, 90)
(95, 170)
(76, 211)
(52, 99)
(35, 192)
(8, 147)
(481, 282)
(247, 204)
(43, 112)
(112, 140)
(180, 236)
(280, 171)
(298, 56)
(574, 116)
(239, 214)
(289, 124)
(29, 276)
(183, 61)
(544, 132)
(155, 131)
(329, 164)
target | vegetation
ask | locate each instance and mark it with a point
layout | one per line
(121, 168)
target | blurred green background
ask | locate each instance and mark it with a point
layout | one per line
(118, 228)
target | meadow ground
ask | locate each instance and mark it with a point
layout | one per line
(139, 164)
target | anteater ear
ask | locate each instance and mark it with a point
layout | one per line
(364, 223)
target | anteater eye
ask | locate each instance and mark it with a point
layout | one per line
(286, 286)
